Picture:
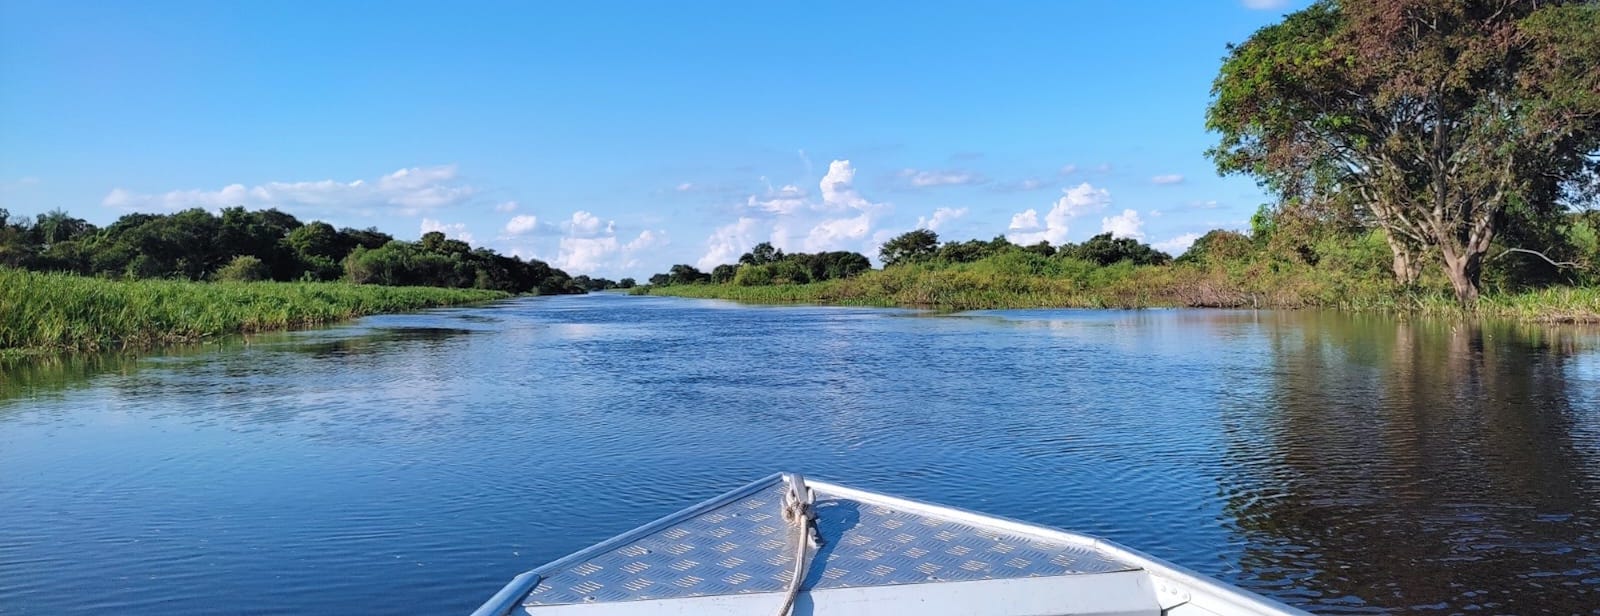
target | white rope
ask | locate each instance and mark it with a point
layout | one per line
(802, 517)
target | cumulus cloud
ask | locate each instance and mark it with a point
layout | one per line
(727, 242)
(522, 225)
(940, 218)
(454, 230)
(839, 217)
(1167, 180)
(406, 191)
(509, 206)
(1265, 5)
(1025, 227)
(931, 178)
(586, 224)
(1127, 224)
(604, 254)
(1177, 245)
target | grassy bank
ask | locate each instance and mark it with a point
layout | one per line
(1020, 280)
(46, 312)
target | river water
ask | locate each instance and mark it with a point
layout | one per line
(414, 463)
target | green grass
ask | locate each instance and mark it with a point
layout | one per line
(51, 312)
(1016, 280)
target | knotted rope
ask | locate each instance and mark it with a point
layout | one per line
(799, 512)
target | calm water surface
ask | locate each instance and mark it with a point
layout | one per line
(414, 463)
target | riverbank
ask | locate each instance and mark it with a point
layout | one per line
(61, 312)
(980, 286)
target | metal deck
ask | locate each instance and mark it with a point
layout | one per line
(737, 544)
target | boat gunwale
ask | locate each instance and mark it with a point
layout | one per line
(503, 602)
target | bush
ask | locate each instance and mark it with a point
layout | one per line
(244, 268)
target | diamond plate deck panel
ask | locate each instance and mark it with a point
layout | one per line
(743, 547)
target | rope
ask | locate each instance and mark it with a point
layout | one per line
(802, 516)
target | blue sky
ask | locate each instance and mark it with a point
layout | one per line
(618, 138)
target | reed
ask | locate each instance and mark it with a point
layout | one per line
(46, 312)
(1064, 283)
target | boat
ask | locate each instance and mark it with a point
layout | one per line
(789, 545)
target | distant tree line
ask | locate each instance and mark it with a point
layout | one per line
(243, 245)
(922, 246)
(768, 265)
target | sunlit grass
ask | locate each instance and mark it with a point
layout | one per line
(1022, 282)
(64, 312)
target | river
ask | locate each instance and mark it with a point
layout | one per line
(414, 463)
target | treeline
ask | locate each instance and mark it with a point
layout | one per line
(243, 245)
(767, 265)
(922, 246)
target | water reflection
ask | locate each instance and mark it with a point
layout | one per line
(1339, 462)
(1420, 465)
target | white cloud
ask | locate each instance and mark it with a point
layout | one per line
(1069, 169)
(1265, 5)
(930, 178)
(1178, 245)
(783, 201)
(1156, 214)
(1103, 168)
(1025, 227)
(1127, 224)
(509, 206)
(1168, 179)
(838, 233)
(454, 230)
(1083, 198)
(685, 187)
(583, 255)
(839, 190)
(839, 218)
(586, 224)
(1203, 205)
(940, 218)
(522, 225)
(407, 191)
(728, 242)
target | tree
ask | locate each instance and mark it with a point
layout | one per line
(244, 268)
(761, 254)
(909, 247)
(1106, 250)
(684, 273)
(1441, 122)
(723, 273)
(627, 283)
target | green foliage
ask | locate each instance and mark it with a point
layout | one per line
(1106, 250)
(1449, 125)
(762, 254)
(244, 268)
(197, 245)
(1219, 246)
(47, 311)
(765, 265)
(910, 247)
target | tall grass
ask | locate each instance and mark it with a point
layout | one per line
(1020, 280)
(65, 312)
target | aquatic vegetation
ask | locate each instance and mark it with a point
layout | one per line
(42, 312)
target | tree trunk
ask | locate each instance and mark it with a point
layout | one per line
(1407, 264)
(1465, 272)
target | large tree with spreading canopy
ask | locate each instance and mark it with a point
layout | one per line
(1442, 122)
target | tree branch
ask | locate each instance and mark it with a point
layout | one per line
(1541, 256)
